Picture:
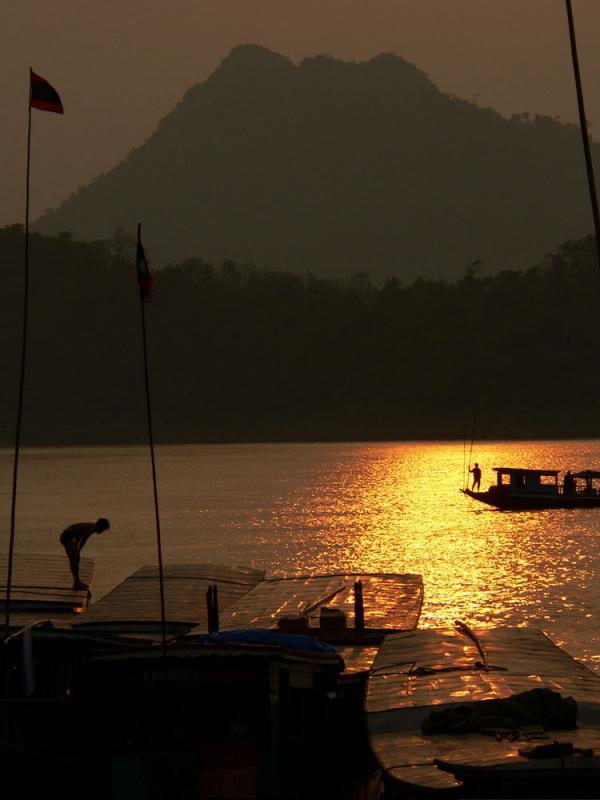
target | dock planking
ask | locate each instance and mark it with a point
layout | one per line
(392, 602)
(135, 603)
(44, 583)
(398, 699)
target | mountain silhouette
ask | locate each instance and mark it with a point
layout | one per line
(340, 168)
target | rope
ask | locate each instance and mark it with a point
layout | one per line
(473, 429)
(421, 671)
(463, 628)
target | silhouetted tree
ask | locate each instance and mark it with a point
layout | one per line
(239, 353)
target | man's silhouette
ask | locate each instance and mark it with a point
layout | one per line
(73, 539)
(476, 477)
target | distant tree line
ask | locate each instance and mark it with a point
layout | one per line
(239, 353)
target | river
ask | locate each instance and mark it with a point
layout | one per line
(316, 508)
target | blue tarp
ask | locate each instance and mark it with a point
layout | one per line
(267, 638)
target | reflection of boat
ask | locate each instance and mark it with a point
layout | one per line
(500, 713)
(532, 489)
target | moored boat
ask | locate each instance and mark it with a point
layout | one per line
(272, 706)
(501, 713)
(519, 489)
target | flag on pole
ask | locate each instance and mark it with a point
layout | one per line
(143, 272)
(43, 96)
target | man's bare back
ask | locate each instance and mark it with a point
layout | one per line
(74, 538)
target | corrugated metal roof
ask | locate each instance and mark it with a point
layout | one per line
(391, 601)
(398, 698)
(42, 582)
(136, 601)
(528, 657)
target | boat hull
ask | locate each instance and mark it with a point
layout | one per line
(523, 501)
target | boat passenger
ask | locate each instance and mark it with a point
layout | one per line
(568, 483)
(476, 477)
(73, 539)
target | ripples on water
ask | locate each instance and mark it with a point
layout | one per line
(298, 509)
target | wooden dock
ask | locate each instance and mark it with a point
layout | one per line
(42, 586)
(431, 669)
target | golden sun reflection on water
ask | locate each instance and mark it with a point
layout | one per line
(321, 508)
(397, 508)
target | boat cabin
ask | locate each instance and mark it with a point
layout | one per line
(530, 481)
(591, 482)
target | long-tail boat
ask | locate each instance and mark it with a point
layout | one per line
(502, 713)
(518, 489)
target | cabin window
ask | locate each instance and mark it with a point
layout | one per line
(547, 480)
(505, 479)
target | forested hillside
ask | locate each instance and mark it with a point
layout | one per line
(239, 353)
(337, 168)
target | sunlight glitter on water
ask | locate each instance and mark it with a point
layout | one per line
(299, 509)
(398, 508)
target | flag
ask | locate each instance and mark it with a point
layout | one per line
(44, 96)
(143, 272)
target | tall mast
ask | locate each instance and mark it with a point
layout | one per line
(584, 129)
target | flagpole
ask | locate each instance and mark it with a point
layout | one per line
(151, 442)
(583, 126)
(13, 506)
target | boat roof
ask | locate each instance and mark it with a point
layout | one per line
(510, 470)
(134, 605)
(42, 585)
(392, 601)
(587, 473)
(247, 599)
(428, 669)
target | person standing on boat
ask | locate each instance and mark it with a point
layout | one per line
(568, 483)
(476, 477)
(73, 539)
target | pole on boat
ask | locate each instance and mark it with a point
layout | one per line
(145, 285)
(212, 607)
(583, 125)
(359, 608)
(15, 473)
(43, 96)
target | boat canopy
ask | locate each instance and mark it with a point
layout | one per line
(588, 474)
(515, 470)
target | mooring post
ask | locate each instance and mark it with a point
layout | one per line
(359, 609)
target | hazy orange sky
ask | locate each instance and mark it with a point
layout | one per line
(121, 66)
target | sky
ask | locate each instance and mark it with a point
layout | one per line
(122, 65)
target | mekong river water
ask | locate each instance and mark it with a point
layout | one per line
(318, 508)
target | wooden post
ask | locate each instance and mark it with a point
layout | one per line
(215, 609)
(359, 610)
(212, 608)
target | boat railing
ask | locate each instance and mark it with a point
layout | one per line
(580, 491)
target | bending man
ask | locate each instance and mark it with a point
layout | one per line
(73, 539)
